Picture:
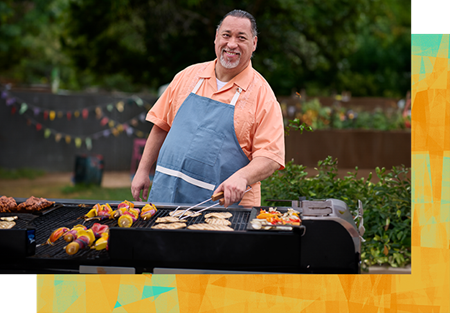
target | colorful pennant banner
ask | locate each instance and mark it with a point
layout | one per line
(115, 127)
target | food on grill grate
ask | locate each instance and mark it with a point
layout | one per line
(125, 204)
(219, 215)
(169, 226)
(123, 207)
(128, 217)
(100, 211)
(265, 225)
(56, 234)
(86, 239)
(7, 225)
(218, 221)
(274, 217)
(102, 242)
(101, 233)
(169, 219)
(72, 234)
(148, 211)
(35, 204)
(98, 229)
(7, 204)
(117, 213)
(188, 213)
(125, 221)
(104, 211)
(209, 227)
(8, 218)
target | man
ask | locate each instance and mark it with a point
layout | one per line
(217, 127)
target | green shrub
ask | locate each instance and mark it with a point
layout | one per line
(387, 204)
(312, 113)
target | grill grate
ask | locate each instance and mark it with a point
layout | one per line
(22, 221)
(71, 215)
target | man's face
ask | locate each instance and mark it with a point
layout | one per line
(234, 43)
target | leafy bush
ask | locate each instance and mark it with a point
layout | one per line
(387, 204)
(312, 113)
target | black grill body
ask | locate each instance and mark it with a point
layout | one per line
(326, 244)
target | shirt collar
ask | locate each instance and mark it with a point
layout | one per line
(243, 79)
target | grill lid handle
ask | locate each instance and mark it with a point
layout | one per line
(361, 228)
(315, 208)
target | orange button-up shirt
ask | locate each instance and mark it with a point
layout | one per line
(258, 121)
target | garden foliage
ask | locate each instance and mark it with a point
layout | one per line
(387, 204)
(313, 114)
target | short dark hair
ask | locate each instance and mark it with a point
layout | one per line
(242, 14)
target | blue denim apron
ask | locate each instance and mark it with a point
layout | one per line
(200, 151)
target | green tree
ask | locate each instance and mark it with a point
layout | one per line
(150, 41)
(381, 64)
(323, 46)
(29, 45)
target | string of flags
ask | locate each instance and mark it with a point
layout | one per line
(115, 128)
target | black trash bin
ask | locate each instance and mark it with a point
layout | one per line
(88, 169)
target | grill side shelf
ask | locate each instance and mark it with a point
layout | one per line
(288, 228)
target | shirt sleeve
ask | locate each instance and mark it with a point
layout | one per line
(268, 138)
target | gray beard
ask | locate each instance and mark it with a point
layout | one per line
(227, 64)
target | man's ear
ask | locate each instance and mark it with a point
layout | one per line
(255, 43)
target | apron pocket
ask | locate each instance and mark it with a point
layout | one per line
(162, 189)
(206, 146)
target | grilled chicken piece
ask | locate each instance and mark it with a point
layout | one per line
(35, 204)
(219, 215)
(7, 204)
(169, 219)
(218, 221)
(169, 226)
(209, 227)
(178, 212)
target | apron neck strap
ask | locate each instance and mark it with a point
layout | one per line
(235, 97)
(199, 83)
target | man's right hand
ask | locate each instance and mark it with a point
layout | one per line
(141, 182)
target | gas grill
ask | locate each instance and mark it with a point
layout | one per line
(327, 242)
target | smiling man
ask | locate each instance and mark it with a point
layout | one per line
(217, 127)
(234, 44)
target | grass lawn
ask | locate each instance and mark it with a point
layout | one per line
(25, 183)
(96, 193)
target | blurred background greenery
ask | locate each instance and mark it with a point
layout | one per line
(325, 47)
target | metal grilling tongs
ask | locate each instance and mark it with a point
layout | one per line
(214, 197)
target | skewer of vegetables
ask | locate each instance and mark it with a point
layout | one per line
(102, 242)
(121, 208)
(85, 239)
(100, 211)
(101, 233)
(98, 229)
(128, 217)
(148, 211)
(72, 234)
(56, 234)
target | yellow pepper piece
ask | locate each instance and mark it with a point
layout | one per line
(125, 221)
(91, 213)
(102, 242)
(88, 233)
